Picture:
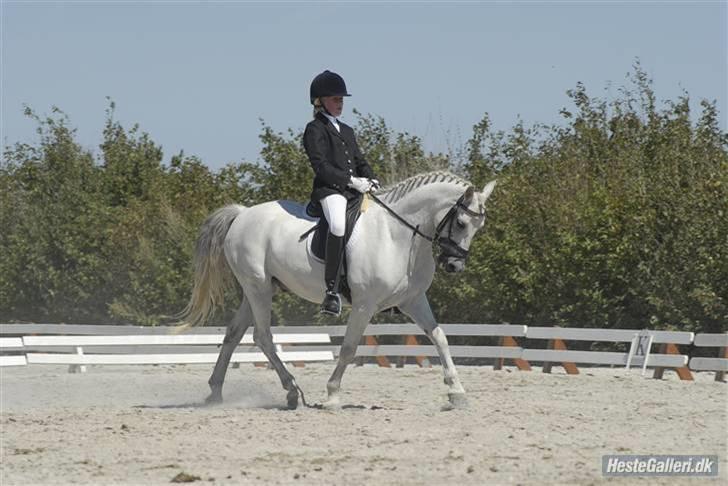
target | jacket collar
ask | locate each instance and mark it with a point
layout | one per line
(329, 126)
(330, 118)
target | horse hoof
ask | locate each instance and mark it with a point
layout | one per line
(332, 404)
(213, 398)
(292, 399)
(456, 401)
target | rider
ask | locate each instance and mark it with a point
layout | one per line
(341, 173)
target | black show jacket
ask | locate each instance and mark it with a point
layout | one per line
(334, 157)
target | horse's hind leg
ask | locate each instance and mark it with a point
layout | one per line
(235, 331)
(260, 304)
(419, 310)
(358, 321)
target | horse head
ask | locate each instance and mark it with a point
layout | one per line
(455, 231)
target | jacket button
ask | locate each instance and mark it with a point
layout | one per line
(348, 161)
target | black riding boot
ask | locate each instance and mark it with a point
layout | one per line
(334, 252)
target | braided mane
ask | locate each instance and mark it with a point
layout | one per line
(400, 189)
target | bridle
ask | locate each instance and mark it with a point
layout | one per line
(448, 246)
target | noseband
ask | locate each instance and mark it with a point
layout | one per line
(448, 246)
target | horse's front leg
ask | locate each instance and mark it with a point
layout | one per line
(358, 321)
(419, 311)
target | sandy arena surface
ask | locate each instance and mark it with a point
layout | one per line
(141, 425)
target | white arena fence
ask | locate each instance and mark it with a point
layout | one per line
(84, 347)
(719, 364)
(80, 345)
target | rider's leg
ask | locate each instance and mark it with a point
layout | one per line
(334, 208)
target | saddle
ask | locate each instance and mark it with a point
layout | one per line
(321, 230)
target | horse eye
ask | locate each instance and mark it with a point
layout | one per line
(460, 224)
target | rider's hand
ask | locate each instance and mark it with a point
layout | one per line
(361, 184)
(374, 185)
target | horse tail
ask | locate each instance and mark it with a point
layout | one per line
(212, 274)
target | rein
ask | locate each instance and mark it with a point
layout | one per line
(415, 229)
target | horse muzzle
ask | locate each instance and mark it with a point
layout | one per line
(452, 256)
(452, 264)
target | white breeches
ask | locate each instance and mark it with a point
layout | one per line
(334, 207)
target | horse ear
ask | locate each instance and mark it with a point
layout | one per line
(488, 189)
(468, 196)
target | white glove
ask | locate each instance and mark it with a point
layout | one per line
(374, 185)
(361, 184)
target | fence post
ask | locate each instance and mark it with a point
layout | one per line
(570, 368)
(74, 368)
(509, 341)
(683, 372)
(720, 375)
(382, 361)
(422, 361)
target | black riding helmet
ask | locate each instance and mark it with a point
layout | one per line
(328, 84)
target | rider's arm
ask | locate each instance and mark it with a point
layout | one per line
(363, 169)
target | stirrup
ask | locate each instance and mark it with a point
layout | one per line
(331, 304)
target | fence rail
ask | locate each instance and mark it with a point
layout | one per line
(131, 341)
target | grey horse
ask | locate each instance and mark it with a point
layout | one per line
(390, 264)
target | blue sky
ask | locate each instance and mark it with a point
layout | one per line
(198, 76)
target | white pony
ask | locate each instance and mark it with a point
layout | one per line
(389, 259)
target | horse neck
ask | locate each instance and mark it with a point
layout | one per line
(423, 205)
